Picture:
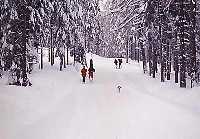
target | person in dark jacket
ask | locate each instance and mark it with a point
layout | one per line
(91, 72)
(84, 73)
(116, 62)
(120, 63)
(91, 63)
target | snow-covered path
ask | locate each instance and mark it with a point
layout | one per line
(59, 106)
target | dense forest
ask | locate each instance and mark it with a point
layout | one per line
(162, 34)
(28, 26)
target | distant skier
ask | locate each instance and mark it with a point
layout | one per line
(84, 73)
(119, 88)
(91, 63)
(116, 62)
(120, 63)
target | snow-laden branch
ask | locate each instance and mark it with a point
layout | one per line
(128, 19)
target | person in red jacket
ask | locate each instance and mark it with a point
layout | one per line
(83, 73)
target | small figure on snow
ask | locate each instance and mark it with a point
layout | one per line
(91, 72)
(84, 73)
(120, 63)
(91, 63)
(119, 88)
(116, 62)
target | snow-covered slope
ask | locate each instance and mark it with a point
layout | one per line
(59, 106)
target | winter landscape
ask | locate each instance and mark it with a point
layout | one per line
(99, 69)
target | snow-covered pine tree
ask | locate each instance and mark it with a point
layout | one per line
(184, 11)
(19, 34)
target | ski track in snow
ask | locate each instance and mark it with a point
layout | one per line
(59, 106)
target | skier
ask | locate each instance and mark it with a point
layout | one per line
(83, 73)
(91, 63)
(116, 62)
(91, 70)
(120, 63)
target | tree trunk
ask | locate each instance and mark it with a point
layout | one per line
(53, 56)
(168, 62)
(176, 56)
(127, 50)
(161, 55)
(150, 59)
(23, 61)
(154, 61)
(131, 49)
(74, 56)
(64, 58)
(144, 59)
(49, 56)
(52, 49)
(182, 48)
(135, 46)
(176, 66)
(138, 55)
(67, 55)
(41, 58)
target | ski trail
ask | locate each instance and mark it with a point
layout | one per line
(100, 112)
(60, 106)
(138, 83)
(153, 109)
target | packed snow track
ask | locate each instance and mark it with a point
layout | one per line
(60, 106)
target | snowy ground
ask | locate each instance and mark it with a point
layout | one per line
(59, 106)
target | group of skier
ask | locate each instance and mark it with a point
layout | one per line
(118, 61)
(91, 71)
